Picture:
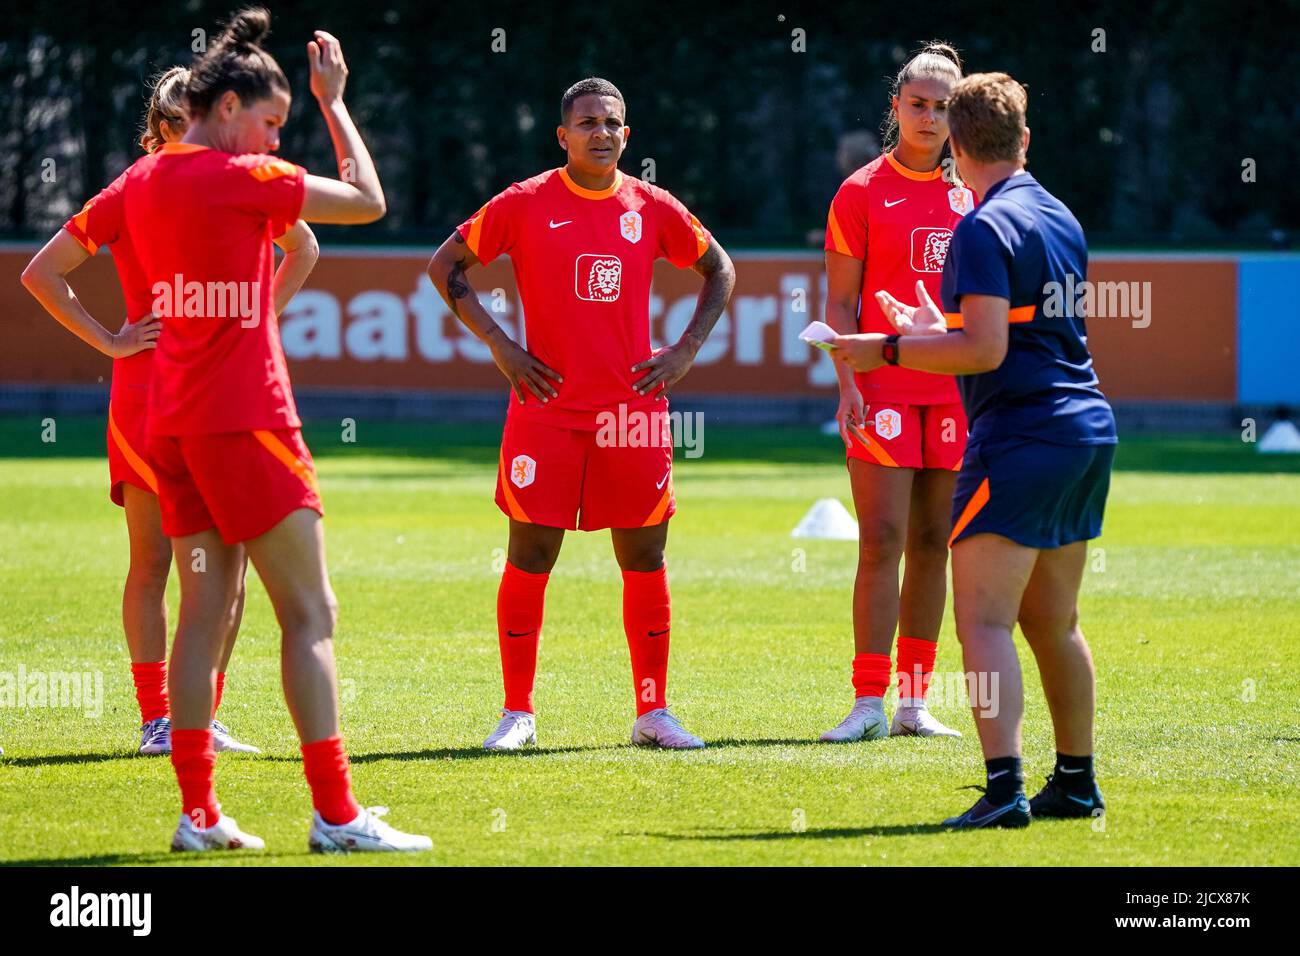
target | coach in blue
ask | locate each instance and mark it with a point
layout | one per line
(1033, 483)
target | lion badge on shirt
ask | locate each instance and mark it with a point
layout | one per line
(930, 248)
(961, 200)
(597, 278)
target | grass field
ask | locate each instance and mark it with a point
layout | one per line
(1190, 609)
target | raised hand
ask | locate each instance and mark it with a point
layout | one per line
(329, 74)
(924, 319)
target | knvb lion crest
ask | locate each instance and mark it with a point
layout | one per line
(961, 200)
(629, 225)
(597, 278)
(522, 471)
(889, 424)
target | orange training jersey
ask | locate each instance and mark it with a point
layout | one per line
(202, 222)
(583, 261)
(899, 222)
(101, 223)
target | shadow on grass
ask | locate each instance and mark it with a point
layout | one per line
(478, 753)
(440, 753)
(455, 753)
(104, 859)
(146, 858)
(46, 760)
(815, 833)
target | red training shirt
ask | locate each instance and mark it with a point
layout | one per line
(899, 222)
(583, 261)
(202, 222)
(101, 223)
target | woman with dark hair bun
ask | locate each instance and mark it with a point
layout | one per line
(234, 474)
(132, 482)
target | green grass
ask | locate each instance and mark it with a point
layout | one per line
(1191, 603)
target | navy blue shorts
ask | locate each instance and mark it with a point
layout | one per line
(1036, 493)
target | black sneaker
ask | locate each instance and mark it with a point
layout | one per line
(984, 814)
(1055, 801)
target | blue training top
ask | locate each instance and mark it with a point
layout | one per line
(1019, 240)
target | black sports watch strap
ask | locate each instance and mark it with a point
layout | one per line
(889, 349)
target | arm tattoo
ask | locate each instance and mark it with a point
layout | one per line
(719, 280)
(457, 285)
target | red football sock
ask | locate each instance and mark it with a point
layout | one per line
(150, 689)
(216, 700)
(194, 758)
(871, 674)
(646, 620)
(521, 600)
(915, 667)
(325, 763)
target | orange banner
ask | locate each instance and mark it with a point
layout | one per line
(1161, 327)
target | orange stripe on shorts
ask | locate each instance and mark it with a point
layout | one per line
(657, 515)
(134, 460)
(873, 446)
(977, 501)
(287, 458)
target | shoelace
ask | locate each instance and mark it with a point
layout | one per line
(672, 720)
(220, 728)
(515, 720)
(375, 826)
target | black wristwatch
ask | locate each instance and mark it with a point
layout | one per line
(889, 349)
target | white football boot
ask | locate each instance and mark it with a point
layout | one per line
(866, 721)
(367, 833)
(518, 728)
(223, 742)
(659, 728)
(913, 719)
(222, 835)
(156, 737)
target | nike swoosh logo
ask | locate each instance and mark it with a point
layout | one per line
(994, 814)
(1086, 803)
(659, 633)
(660, 484)
(994, 776)
(520, 633)
(890, 205)
(1075, 770)
(557, 225)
